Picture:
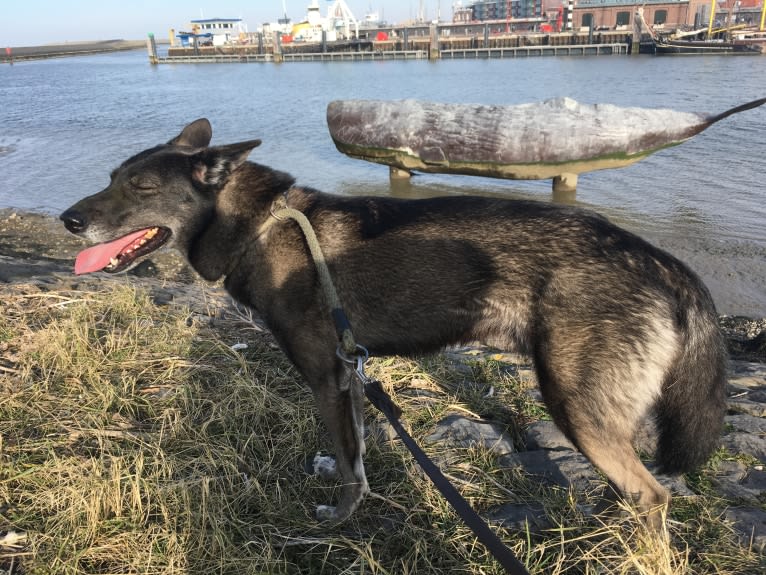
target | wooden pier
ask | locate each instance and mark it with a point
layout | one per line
(428, 44)
(461, 54)
(246, 58)
(529, 51)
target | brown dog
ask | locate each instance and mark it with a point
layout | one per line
(617, 328)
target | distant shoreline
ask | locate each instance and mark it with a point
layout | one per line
(22, 53)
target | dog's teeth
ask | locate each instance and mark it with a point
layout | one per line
(141, 242)
(151, 233)
(114, 261)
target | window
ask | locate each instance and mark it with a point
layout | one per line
(660, 16)
(623, 18)
(587, 20)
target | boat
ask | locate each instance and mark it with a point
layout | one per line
(755, 38)
(682, 46)
(718, 41)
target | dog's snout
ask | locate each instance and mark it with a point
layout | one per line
(74, 221)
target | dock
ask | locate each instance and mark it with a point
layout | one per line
(246, 58)
(531, 51)
(374, 55)
(408, 45)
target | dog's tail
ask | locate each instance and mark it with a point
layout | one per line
(693, 402)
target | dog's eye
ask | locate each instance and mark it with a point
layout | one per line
(144, 183)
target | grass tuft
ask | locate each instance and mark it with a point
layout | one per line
(134, 438)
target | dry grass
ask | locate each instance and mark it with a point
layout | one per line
(134, 439)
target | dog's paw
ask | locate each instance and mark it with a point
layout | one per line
(326, 513)
(325, 467)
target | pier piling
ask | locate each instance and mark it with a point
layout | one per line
(434, 53)
(151, 47)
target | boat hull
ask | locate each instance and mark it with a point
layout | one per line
(702, 47)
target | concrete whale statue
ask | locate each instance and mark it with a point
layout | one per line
(557, 138)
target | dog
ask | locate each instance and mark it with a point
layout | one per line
(618, 329)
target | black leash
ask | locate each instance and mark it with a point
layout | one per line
(383, 402)
(355, 354)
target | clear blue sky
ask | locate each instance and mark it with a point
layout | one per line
(36, 22)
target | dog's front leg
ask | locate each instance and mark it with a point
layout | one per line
(341, 404)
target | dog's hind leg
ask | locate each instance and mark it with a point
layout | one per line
(599, 387)
(616, 458)
(341, 405)
(604, 434)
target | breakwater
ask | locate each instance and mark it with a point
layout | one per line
(20, 53)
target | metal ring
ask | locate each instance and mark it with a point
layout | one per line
(361, 353)
(274, 215)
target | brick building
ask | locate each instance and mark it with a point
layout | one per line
(488, 10)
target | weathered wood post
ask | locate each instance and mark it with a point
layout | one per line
(405, 39)
(277, 48)
(638, 18)
(260, 42)
(151, 47)
(433, 52)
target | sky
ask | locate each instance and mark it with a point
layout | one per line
(38, 22)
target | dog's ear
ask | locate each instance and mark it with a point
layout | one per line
(213, 166)
(196, 135)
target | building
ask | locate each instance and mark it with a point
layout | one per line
(223, 30)
(611, 14)
(488, 10)
(662, 14)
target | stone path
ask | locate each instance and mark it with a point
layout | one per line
(549, 456)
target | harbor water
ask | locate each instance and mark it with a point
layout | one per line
(66, 123)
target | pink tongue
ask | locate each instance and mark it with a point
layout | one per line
(98, 257)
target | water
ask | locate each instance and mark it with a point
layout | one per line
(67, 122)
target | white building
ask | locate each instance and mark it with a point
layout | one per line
(224, 30)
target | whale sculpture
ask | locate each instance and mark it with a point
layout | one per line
(558, 138)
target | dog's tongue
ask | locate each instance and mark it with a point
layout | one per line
(98, 257)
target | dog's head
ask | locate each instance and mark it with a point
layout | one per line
(158, 197)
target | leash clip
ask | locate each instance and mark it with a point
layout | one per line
(358, 359)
